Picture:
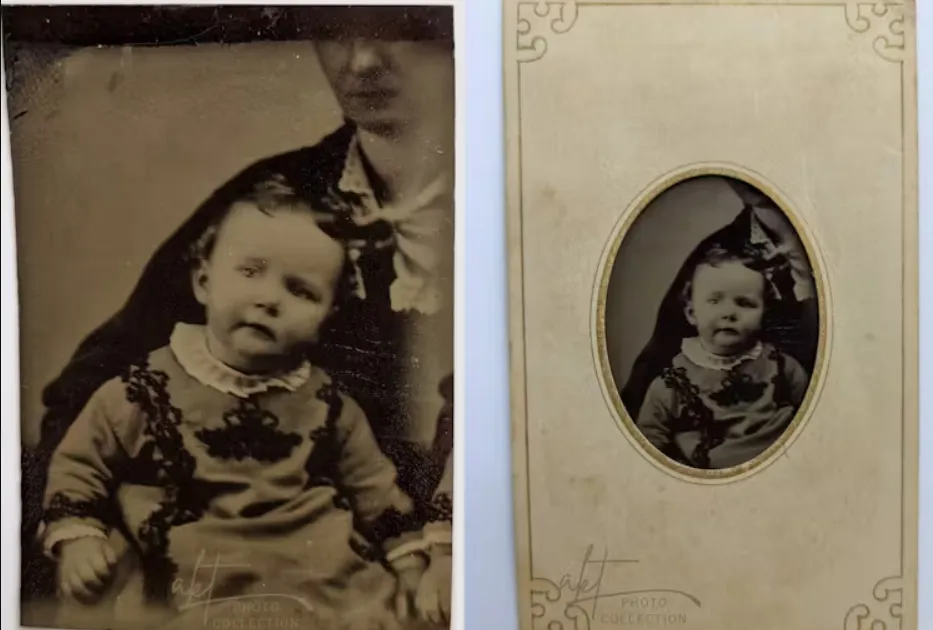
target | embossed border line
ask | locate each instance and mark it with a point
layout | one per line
(559, 17)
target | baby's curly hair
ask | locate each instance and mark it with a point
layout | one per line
(270, 195)
(749, 256)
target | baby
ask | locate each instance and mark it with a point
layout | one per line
(235, 467)
(727, 395)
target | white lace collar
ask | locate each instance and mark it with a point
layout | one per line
(421, 227)
(693, 349)
(189, 345)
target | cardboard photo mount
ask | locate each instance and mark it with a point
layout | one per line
(607, 104)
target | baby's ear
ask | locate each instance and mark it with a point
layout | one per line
(199, 282)
(688, 313)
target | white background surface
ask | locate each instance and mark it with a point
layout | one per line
(488, 594)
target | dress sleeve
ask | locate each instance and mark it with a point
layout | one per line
(797, 379)
(438, 531)
(657, 411)
(386, 513)
(80, 480)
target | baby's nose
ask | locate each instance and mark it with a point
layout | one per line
(271, 308)
(267, 297)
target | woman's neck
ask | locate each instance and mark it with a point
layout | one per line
(410, 159)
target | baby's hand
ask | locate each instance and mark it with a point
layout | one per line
(408, 576)
(433, 598)
(84, 568)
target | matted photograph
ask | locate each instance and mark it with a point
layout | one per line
(713, 313)
(235, 232)
(712, 322)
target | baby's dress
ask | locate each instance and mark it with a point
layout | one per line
(709, 412)
(244, 498)
(438, 533)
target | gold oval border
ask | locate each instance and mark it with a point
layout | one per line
(610, 391)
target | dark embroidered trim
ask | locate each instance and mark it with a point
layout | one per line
(694, 416)
(391, 524)
(693, 413)
(738, 387)
(443, 443)
(419, 475)
(61, 507)
(185, 501)
(439, 509)
(322, 463)
(782, 389)
(145, 468)
(321, 466)
(249, 431)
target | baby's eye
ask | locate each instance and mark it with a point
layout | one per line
(303, 292)
(249, 271)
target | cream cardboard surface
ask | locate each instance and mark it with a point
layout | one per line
(608, 105)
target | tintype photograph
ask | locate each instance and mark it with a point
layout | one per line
(712, 322)
(235, 232)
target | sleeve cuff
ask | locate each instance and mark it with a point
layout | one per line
(439, 536)
(66, 533)
(394, 530)
(420, 545)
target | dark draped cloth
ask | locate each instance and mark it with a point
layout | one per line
(790, 324)
(362, 347)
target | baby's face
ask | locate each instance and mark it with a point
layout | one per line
(726, 306)
(268, 286)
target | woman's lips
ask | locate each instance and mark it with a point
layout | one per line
(370, 93)
(372, 96)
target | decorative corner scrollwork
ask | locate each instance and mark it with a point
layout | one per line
(534, 17)
(888, 593)
(550, 610)
(881, 21)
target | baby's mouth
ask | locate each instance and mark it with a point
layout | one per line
(727, 331)
(264, 331)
